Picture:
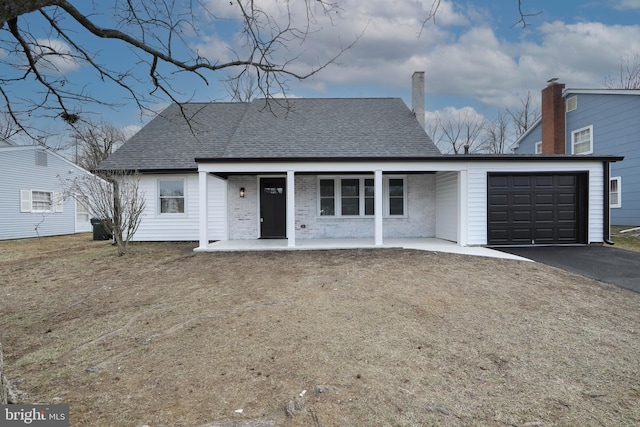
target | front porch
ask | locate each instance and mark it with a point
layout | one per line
(423, 244)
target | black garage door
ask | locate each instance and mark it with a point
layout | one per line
(536, 208)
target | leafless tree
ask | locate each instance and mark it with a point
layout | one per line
(628, 76)
(495, 135)
(242, 87)
(95, 142)
(116, 199)
(525, 116)
(459, 134)
(160, 32)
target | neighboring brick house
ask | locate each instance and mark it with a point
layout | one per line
(593, 122)
(361, 168)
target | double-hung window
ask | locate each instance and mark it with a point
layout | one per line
(37, 201)
(355, 196)
(615, 192)
(171, 196)
(582, 141)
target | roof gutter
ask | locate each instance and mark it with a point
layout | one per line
(441, 158)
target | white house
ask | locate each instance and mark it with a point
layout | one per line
(349, 168)
(32, 194)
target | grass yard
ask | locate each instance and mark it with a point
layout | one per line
(168, 337)
(629, 240)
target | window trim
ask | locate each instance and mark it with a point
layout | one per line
(184, 197)
(537, 147)
(573, 140)
(617, 179)
(337, 196)
(572, 103)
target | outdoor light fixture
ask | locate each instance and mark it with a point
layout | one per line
(241, 191)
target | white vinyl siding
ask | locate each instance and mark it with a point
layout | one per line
(21, 176)
(615, 192)
(183, 226)
(582, 141)
(447, 206)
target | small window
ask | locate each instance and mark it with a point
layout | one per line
(572, 103)
(615, 192)
(582, 141)
(41, 201)
(538, 147)
(171, 196)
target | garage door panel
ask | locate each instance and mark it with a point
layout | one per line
(544, 181)
(544, 199)
(521, 200)
(530, 208)
(499, 200)
(521, 181)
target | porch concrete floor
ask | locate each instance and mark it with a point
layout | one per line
(423, 244)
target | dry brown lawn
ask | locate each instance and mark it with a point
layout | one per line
(167, 337)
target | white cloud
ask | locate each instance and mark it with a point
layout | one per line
(55, 55)
(626, 4)
(461, 52)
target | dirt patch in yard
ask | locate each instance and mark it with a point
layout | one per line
(168, 337)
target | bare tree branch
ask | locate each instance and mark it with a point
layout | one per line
(161, 34)
(628, 76)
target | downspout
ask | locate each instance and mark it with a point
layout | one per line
(607, 208)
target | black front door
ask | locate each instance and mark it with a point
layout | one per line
(273, 208)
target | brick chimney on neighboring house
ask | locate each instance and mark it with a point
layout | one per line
(553, 118)
(417, 96)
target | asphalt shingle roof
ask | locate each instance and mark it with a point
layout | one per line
(295, 128)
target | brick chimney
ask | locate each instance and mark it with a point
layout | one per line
(553, 118)
(417, 96)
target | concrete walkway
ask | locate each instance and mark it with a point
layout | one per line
(422, 244)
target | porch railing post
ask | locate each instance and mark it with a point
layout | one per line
(378, 208)
(291, 209)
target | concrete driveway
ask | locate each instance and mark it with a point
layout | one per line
(605, 263)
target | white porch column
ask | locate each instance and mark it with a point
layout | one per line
(203, 197)
(377, 204)
(463, 222)
(291, 209)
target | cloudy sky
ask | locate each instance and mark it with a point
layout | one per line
(474, 54)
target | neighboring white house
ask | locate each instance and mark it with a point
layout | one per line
(32, 194)
(349, 168)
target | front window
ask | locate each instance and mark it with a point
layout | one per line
(171, 196)
(350, 191)
(349, 197)
(582, 141)
(327, 197)
(615, 193)
(396, 196)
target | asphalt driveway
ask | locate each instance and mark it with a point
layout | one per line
(605, 263)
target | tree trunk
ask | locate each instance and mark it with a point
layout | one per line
(10, 9)
(5, 392)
